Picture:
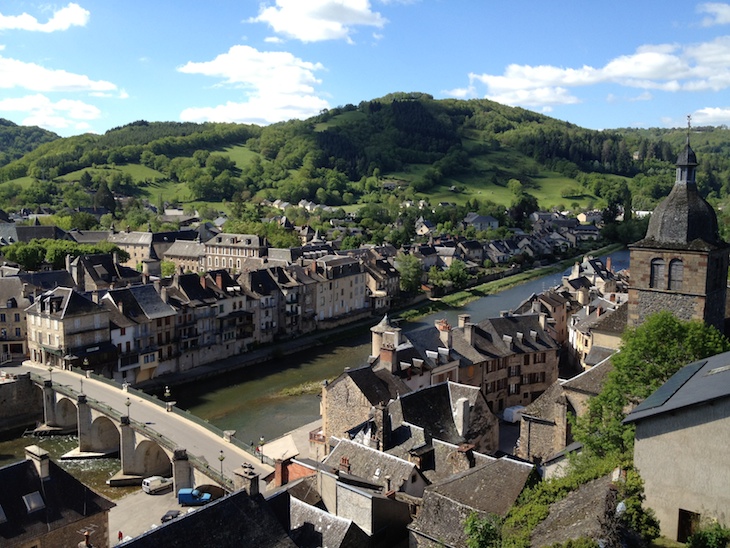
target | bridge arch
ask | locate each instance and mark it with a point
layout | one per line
(152, 459)
(105, 435)
(66, 413)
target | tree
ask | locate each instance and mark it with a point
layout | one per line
(483, 532)
(457, 274)
(410, 272)
(650, 354)
(167, 269)
(105, 198)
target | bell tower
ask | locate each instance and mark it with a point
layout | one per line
(682, 263)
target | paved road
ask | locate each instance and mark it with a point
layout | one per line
(184, 433)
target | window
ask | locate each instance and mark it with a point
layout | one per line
(676, 273)
(2, 318)
(656, 276)
(526, 359)
(17, 317)
(17, 332)
(540, 358)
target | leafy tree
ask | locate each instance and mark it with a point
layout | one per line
(104, 197)
(167, 268)
(457, 273)
(649, 355)
(410, 272)
(483, 532)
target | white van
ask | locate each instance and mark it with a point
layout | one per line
(154, 484)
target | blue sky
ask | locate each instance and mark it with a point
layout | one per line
(91, 65)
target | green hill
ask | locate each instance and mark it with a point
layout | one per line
(441, 150)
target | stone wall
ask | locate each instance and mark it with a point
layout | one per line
(21, 403)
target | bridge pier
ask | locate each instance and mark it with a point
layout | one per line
(182, 471)
(126, 449)
(49, 405)
(83, 424)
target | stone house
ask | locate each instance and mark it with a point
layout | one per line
(350, 399)
(591, 334)
(43, 505)
(491, 488)
(511, 358)
(188, 256)
(680, 447)
(227, 251)
(66, 329)
(342, 288)
(154, 328)
(545, 425)
(95, 274)
(480, 223)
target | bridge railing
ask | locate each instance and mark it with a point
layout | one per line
(200, 463)
(248, 447)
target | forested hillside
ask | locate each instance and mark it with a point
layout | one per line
(16, 141)
(475, 153)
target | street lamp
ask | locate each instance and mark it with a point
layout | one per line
(50, 374)
(261, 448)
(221, 458)
(167, 393)
(128, 403)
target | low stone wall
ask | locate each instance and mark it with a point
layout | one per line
(21, 402)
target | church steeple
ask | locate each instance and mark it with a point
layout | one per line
(687, 162)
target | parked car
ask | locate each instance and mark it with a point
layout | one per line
(170, 515)
(155, 484)
(192, 497)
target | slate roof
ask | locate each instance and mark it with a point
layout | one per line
(71, 303)
(377, 386)
(47, 280)
(12, 288)
(187, 249)
(592, 380)
(684, 219)
(491, 488)
(371, 465)
(230, 522)
(695, 384)
(88, 236)
(102, 268)
(615, 322)
(311, 526)
(504, 336)
(141, 301)
(66, 500)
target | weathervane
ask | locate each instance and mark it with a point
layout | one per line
(689, 125)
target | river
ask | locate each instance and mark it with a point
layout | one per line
(250, 400)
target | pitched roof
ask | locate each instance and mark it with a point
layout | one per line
(372, 465)
(491, 488)
(697, 383)
(66, 501)
(377, 386)
(230, 522)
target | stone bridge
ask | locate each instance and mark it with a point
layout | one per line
(165, 443)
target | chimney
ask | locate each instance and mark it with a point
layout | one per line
(247, 479)
(280, 473)
(120, 307)
(202, 282)
(40, 459)
(469, 334)
(543, 320)
(219, 280)
(609, 264)
(381, 418)
(461, 416)
(163, 294)
(444, 332)
(464, 319)
(68, 265)
(345, 465)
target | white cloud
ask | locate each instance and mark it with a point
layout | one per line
(318, 20)
(711, 116)
(276, 86)
(460, 93)
(63, 19)
(663, 67)
(719, 13)
(41, 111)
(14, 73)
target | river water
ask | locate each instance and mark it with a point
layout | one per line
(250, 400)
